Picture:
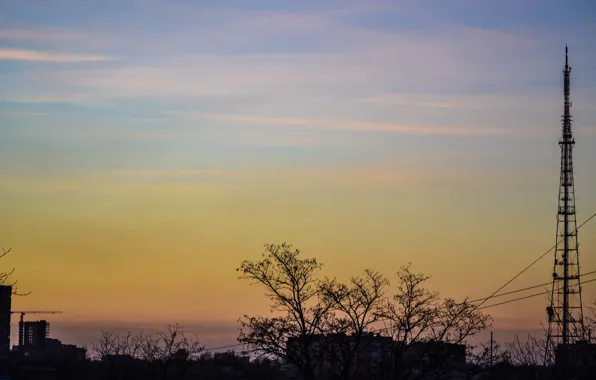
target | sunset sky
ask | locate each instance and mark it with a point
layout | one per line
(147, 147)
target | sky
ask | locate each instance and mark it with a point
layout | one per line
(147, 147)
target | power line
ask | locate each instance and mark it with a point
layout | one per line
(526, 297)
(479, 308)
(222, 347)
(385, 329)
(524, 289)
(532, 264)
(494, 295)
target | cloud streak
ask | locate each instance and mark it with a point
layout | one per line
(348, 125)
(42, 56)
(149, 173)
(39, 186)
(395, 173)
(351, 61)
(44, 36)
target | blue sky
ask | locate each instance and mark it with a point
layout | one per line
(249, 77)
(462, 98)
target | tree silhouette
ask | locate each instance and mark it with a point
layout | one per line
(167, 355)
(357, 306)
(416, 314)
(590, 322)
(320, 326)
(292, 285)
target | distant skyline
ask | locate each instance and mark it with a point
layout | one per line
(148, 147)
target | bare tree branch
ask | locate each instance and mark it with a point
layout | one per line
(531, 352)
(416, 314)
(167, 354)
(357, 306)
(4, 277)
(292, 285)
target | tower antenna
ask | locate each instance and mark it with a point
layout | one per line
(565, 313)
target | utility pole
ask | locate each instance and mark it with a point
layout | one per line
(565, 313)
(491, 348)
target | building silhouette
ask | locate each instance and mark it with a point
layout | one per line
(34, 334)
(37, 344)
(445, 359)
(5, 306)
(374, 356)
(57, 350)
(577, 359)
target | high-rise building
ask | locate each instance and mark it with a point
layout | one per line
(5, 306)
(35, 334)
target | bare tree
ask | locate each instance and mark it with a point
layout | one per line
(457, 321)
(531, 352)
(119, 352)
(416, 314)
(5, 276)
(167, 354)
(293, 287)
(487, 355)
(317, 324)
(173, 350)
(112, 345)
(357, 306)
(590, 322)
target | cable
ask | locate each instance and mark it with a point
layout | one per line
(385, 329)
(222, 347)
(494, 295)
(526, 297)
(521, 290)
(534, 262)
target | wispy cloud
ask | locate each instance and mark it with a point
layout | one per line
(347, 61)
(166, 179)
(20, 113)
(44, 35)
(396, 173)
(49, 98)
(405, 175)
(40, 186)
(42, 56)
(530, 98)
(149, 173)
(348, 125)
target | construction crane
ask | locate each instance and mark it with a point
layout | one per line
(33, 312)
(21, 321)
